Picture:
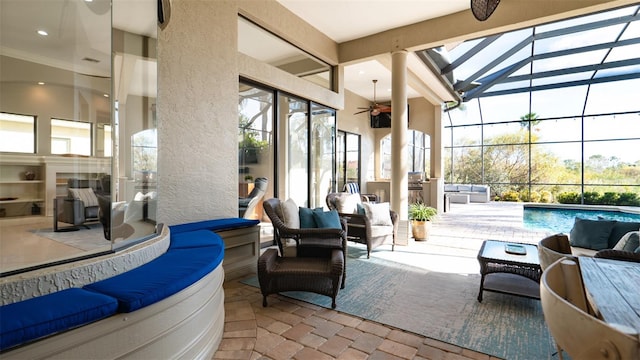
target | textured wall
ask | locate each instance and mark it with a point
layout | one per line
(197, 112)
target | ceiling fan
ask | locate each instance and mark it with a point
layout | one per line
(376, 108)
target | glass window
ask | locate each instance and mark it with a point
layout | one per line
(108, 151)
(348, 159)
(261, 45)
(70, 137)
(508, 133)
(617, 96)
(561, 102)
(144, 147)
(608, 127)
(297, 166)
(17, 133)
(323, 125)
(504, 108)
(558, 163)
(552, 130)
(385, 157)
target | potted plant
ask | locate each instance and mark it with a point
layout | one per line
(421, 215)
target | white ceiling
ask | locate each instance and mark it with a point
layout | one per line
(344, 20)
(67, 21)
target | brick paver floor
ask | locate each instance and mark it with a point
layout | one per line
(292, 329)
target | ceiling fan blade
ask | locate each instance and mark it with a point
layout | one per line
(360, 112)
(384, 108)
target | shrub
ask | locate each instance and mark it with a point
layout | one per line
(546, 196)
(592, 198)
(609, 198)
(628, 199)
(535, 196)
(569, 197)
(510, 195)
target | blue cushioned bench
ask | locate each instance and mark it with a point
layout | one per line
(164, 276)
(194, 251)
(213, 225)
(32, 319)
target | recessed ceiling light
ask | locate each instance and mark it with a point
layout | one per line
(40, 83)
(88, 0)
(361, 72)
(106, 95)
(43, 33)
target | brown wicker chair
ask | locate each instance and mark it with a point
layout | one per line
(310, 242)
(319, 275)
(360, 230)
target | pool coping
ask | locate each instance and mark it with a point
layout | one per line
(622, 209)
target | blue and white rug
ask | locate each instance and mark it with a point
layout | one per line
(441, 306)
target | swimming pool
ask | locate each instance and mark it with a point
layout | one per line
(560, 220)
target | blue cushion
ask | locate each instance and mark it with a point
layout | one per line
(170, 273)
(360, 209)
(45, 315)
(213, 225)
(590, 234)
(307, 220)
(198, 238)
(327, 219)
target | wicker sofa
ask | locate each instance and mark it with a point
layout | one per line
(597, 238)
(464, 194)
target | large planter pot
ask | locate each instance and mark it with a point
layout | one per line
(420, 229)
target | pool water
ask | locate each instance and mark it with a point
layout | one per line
(561, 220)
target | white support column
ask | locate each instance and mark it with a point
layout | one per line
(437, 165)
(399, 156)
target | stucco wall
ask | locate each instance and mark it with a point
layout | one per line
(198, 112)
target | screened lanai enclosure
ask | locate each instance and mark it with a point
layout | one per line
(555, 117)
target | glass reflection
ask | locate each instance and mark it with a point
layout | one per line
(65, 78)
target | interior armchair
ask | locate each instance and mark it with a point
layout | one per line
(79, 207)
(367, 223)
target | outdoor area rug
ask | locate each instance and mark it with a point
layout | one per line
(441, 306)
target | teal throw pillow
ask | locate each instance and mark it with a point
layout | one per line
(327, 219)
(591, 234)
(307, 221)
(360, 209)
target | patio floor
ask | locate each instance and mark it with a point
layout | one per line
(291, 329)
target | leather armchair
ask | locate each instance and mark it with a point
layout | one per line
(75, 211)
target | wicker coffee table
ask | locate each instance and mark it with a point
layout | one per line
(506, 270)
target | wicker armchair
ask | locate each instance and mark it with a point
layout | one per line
(319, 275)
(360, 229)
(310, 242)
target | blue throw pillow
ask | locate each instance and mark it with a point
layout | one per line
(591, 234)
(360, 209)
(306, 217)
(327, 219)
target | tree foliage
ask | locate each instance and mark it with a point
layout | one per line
(504, 161)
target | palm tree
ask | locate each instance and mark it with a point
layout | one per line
(530, 118)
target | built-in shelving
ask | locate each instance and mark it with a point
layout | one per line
(31, 197)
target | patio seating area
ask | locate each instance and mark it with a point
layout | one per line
(290, 328)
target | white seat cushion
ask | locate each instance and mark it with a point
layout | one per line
(378, 214)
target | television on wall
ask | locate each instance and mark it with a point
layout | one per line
(382, 120)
